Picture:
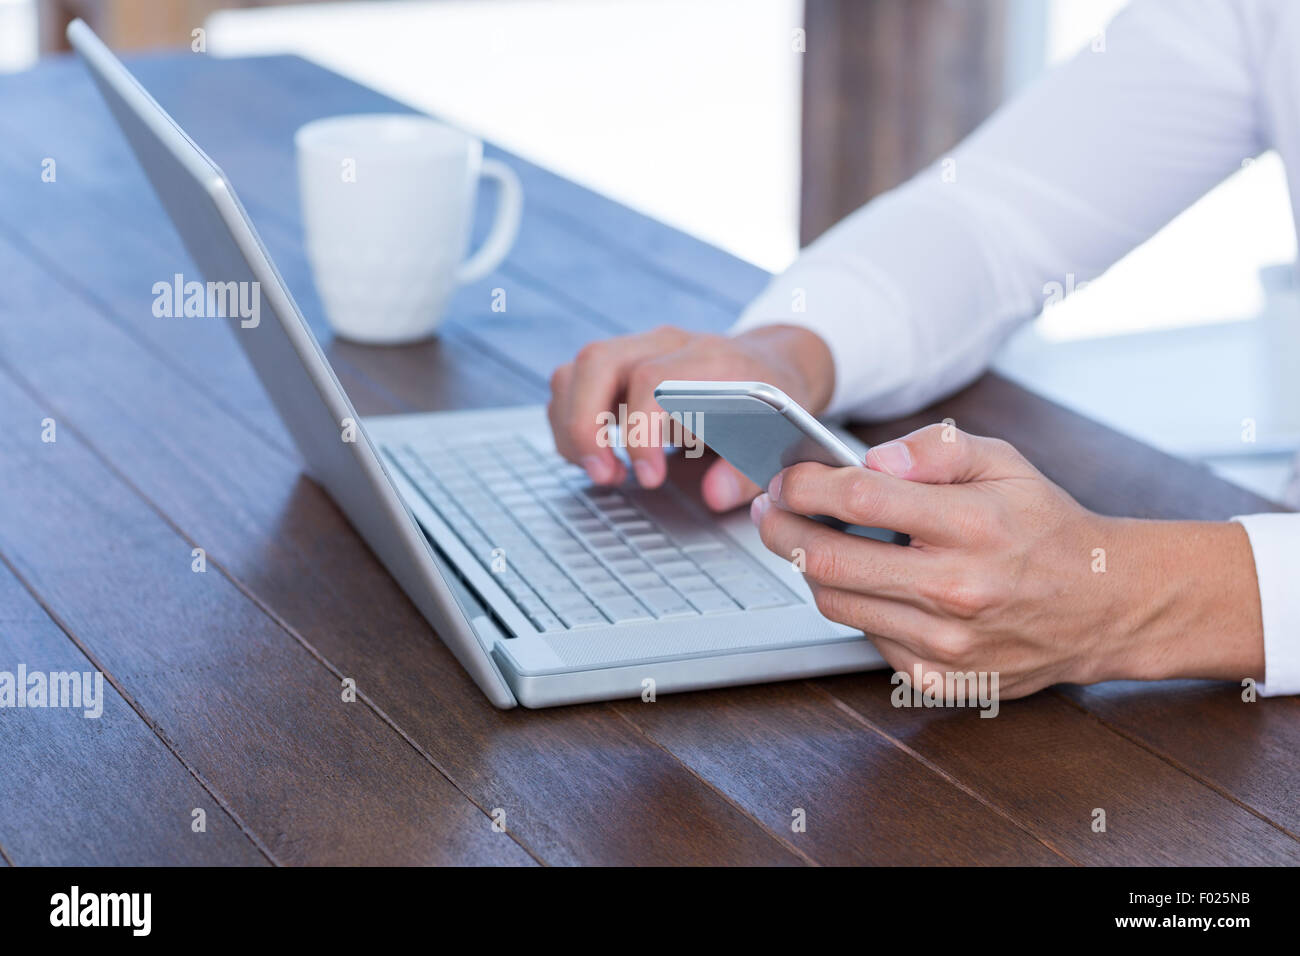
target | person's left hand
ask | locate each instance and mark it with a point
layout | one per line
(1007, 573)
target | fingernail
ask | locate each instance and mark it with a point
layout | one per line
(597, 468)
(726, 490)
(892, 458)
(759, 508)
(650, 472)
(774, 487)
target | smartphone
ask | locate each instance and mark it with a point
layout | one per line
(760, 430)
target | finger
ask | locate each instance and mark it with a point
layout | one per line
(864, 497)
(836, 559)
(876, 617)
(558, 415)
(696, 363)
(916, 628)
(930, 676)
(903, 660)
(943, 454)
(724, 488)
(599, 378)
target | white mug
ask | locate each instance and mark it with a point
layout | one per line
(387, 205)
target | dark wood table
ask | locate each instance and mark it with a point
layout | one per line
(225, 685)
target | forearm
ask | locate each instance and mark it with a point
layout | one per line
(1185, 603)
(915, 292)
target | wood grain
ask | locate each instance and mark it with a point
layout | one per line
(262, 723)
(1051, 766)
(172, 444)
(788, 756)
(287, 588)
(289, 548)
(132, 804)
(1247, 751)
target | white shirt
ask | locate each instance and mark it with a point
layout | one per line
(914, 292)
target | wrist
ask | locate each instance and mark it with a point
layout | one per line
(1186, 602)
(806, 359)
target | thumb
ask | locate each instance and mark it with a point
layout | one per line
(724, 488)
(944, 455)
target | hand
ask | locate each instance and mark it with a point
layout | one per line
(627, 369)
(1007, 573)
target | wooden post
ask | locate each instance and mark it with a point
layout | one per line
(888, 86)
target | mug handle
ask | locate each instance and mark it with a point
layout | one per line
(505, 228)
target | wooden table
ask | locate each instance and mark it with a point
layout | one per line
(225, 685)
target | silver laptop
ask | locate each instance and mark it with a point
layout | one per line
(548, 590)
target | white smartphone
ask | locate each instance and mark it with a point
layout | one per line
(760, 430)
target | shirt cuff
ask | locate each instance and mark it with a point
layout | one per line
(1275, 541)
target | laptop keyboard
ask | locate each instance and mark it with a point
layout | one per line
(574, 555)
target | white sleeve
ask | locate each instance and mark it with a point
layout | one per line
(1275, 541)
(914, 292)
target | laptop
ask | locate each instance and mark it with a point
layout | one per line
(547, 589)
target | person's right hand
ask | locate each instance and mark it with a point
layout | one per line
(627, 369)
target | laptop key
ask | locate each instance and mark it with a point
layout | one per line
(589, 576)
(702, 544)
(757, 601)
(604, 590)
(665, 602)
(729, 567)
(545, 621)
(688, 584)
(531, 604)
(679, 569)
(512, 584)
(631, 526)
(754, 594)
(619, 552)
(550, 585)
(562, 601)
(712, 601)
(545, 533)
(566, 550)
(642, 580)
(530, 513)
(527, 559)
(658, 556)
(630, 567)
(583, 617)
(623, 610)
(563, 540)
